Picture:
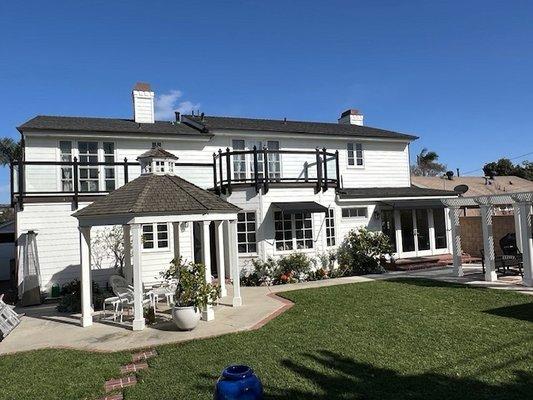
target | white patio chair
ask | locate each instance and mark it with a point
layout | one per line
(166, 290)
(124, 294)
(9, 319)
(114, 302)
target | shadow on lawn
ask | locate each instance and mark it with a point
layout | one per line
(348, 379)
(522, 312)
(425, 282)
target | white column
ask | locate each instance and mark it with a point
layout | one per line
(488, 242)
(86, 284)
(234, 257)
(454, 213)
(526, 219)
(219, 236)
(208, 313)
(138, 320)
(128, 272)
(517, 225)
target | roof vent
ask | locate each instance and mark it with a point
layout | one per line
(351, 117)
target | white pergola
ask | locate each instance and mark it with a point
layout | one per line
(522, 203)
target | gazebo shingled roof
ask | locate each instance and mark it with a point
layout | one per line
(157, 152)
(157, 194)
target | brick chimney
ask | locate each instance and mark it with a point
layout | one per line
(351, 117)
(143, 103)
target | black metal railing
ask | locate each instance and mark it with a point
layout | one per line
(20, 192)
(258, 163)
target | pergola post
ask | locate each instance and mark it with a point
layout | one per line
(234, 257)
(518, 225)
(488, 242)
(128, 272)
(208, 313)
(219, 237)
(454, 214)
(86, 284)
(138, 317)
(527, 241)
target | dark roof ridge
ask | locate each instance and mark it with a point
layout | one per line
(142, 195)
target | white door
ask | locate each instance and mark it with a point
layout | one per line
(415, 232)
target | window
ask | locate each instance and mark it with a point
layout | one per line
(293, 231)
(246, 232)
(65, 149)
(355, 154)
(260, 161)
(330, 227)
(155, 236)
(159, 166)
(88, 152)
(239, 160)
(109, 171)
(274, 160)
(354, 212)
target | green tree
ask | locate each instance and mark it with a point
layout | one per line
(427, 165)
(10, 150)
(505, 167)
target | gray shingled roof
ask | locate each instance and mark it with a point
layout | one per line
(115, 125)
(250, 124)
(156, 195)
(157, 152)
(390, 192)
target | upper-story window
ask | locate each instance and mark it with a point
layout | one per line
(355, 154)
(244, 164)
(159, 166)
(65, 149)
(109, 171)
(88, 152)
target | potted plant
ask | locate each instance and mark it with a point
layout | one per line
(193, 293)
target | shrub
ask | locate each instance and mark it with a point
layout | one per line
(294, 267)
(363, 252)
(262, 273)
(71, 297)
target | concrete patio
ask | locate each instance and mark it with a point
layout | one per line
(44, 327)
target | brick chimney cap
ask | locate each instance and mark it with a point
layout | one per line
(142, 87)
(351, 111)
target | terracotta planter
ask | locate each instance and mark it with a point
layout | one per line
(185, 318)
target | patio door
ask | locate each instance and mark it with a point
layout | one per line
(415, 231)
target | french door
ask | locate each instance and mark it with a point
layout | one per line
(416, 232)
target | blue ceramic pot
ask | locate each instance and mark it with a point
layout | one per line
(238, 382)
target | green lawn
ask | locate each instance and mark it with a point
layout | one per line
(395, 339)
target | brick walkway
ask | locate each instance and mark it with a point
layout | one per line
(138, 363)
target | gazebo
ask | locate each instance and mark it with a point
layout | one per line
(159, 196)
(521, 203)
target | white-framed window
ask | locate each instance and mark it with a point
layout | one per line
(88, 174)
(355, 212)
(109, 170)
(65, 154)
(239, 160)
(330, 227)
(243, 164)
(155, 236)
(293, 231)
(355, 154)
(159, 166)
(246, 232)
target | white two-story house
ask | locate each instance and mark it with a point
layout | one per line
(301, 185)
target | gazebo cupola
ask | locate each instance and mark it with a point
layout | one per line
(157, 161)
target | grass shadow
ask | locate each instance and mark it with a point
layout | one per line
(523, 312)
(424, 282)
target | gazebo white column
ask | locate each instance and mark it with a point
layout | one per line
(526, 218)
(138, 320)
(86, 284)
(456, 240)
(128, 272)
(208, 313)
(488, 242)
(176, 234)
(234, 259)
(219, 237)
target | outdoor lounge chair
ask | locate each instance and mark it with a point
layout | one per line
(9, 319)
(124, 293)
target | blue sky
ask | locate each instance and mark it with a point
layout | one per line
(455, 73)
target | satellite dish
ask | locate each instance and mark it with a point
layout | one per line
(461, 189)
